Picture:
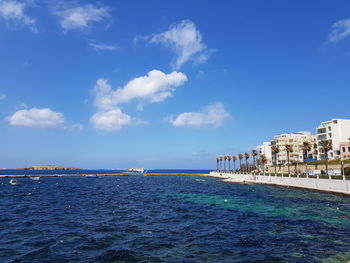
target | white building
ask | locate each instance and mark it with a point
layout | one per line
(296, 141)
(265, 149)
(336, 130)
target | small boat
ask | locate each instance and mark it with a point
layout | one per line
(91, 176)
(135, 171)
(14, 182)
(200, 180)
(35, 178)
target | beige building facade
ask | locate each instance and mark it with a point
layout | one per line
(296, 141)
(345, 150)
(336, 130)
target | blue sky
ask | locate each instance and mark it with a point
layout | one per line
(165, 84)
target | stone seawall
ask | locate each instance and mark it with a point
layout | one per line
(336, 186)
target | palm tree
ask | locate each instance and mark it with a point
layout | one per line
(221, 159)
(246, 156)
(306, 147)
(234, 159)
(275, 150)
(229, 158)
(289, 149)
(258, 163)
(326, 146)
(263, 161)
(240, 157)
(217, 163)
(254, 154)
(225, 158)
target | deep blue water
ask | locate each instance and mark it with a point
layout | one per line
(169, 219)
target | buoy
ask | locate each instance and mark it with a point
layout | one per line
(226, 200)
(343, 217)
(337, 208)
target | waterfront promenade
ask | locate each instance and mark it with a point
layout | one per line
(328, 185)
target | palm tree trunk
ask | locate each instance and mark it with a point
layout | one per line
(234, 166)
(246, 166)
(307, 170)
(288, 164)
(329, 177)
(229, 168)
(275, 169)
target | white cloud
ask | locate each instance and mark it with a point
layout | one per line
(2, 96)
(40, 118)
(213, 115)
(156, 86)
(341, 30)
(75, 127)
(111, 120)
(101, 46)
(140, 122)
(81, 17)
(12, 10)
(185, 41)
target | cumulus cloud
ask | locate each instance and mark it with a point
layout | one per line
(111, 120)
(82, 16)
(156, 86)
(185, 41)
(103, 47)
(40, 118)
(341, 30)
(212, 115)
(13, 11)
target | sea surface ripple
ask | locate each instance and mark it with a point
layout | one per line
(169, 219)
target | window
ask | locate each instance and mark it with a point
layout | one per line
(329, 128)
(349, 149)
(343, 148)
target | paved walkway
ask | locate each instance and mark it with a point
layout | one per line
(327, 185)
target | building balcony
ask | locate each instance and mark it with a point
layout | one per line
(321, 131)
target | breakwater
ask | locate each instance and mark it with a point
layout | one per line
(328, 185)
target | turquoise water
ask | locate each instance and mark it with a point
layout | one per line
(169, 219)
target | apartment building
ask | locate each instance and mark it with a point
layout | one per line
(345, 150)
(265, 149)
(296, 141)
(336, 130)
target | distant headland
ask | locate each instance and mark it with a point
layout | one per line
(47, 167)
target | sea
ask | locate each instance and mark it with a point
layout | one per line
(169, 219)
